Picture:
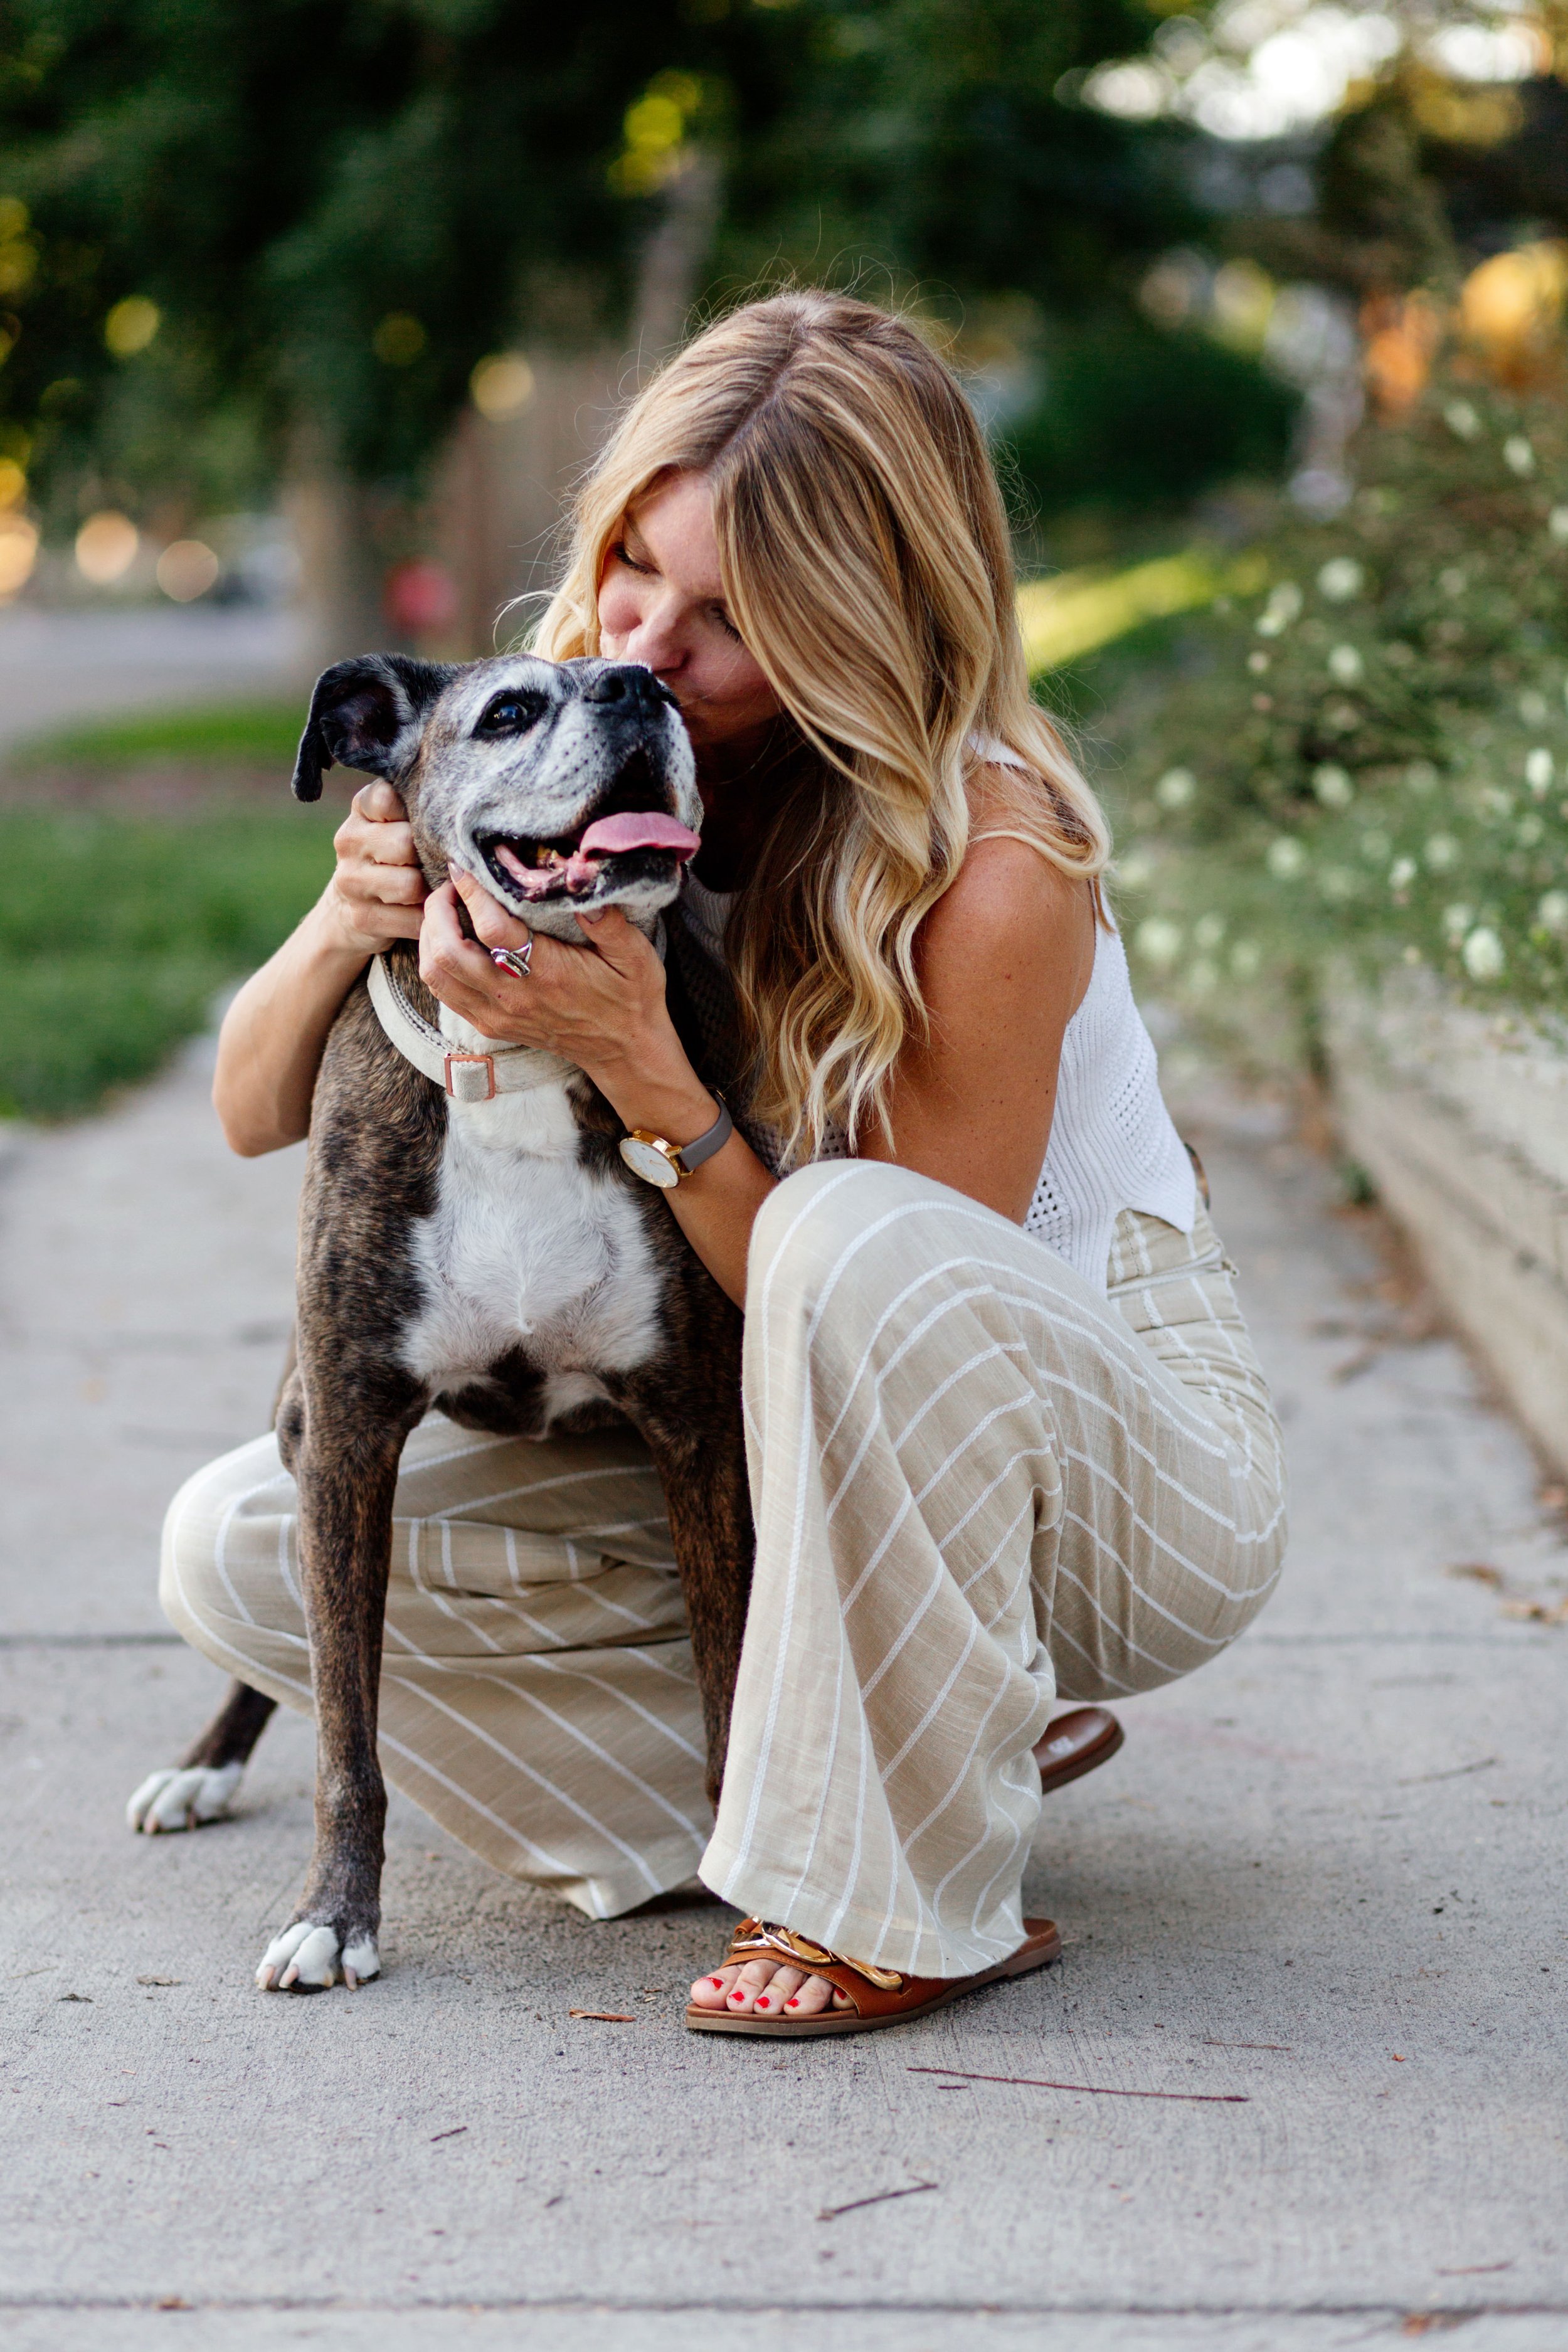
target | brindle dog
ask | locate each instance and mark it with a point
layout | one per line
(493, 1258)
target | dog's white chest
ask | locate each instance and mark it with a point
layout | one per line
(526, 1247)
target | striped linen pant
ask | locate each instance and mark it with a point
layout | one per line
(979, 1483)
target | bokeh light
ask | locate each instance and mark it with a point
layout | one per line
(502, 386)
(130, 326)
(399, 340)
(106, 547)
(18, 552)
(186, 570)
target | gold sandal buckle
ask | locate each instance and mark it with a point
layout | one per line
(767, 1936)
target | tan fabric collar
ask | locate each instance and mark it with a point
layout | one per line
(463, 1071)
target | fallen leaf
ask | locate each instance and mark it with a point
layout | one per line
(172, 2303)
(158, 1980)
(74, 1996)
(604, 2016)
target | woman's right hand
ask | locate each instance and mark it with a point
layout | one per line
(378, 891)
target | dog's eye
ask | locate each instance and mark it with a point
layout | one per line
(512, 713)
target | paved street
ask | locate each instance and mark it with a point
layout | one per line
(1315, 1905)
(60, 668)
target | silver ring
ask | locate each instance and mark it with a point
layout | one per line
(517, 961)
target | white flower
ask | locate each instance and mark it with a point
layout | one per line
(1340, 578)
(1457, 921)
(1539, 771)
(1553, 912)
(1461, 419)
(1519, 457)
(1557, 524)
(1345, 664)
(1484, 957)
(1402, 873)
(1441, 851)
(1332, 785)
(1284, 604)
(1287, 858)
(1175, 787)
(1158, 941)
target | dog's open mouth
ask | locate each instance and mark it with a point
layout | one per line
(573, 863)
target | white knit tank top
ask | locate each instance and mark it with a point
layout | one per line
(1114, 1145)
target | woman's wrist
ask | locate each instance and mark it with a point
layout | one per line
(657, 1088)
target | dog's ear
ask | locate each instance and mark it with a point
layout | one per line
(367, 714)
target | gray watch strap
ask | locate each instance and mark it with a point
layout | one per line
(692, 1155)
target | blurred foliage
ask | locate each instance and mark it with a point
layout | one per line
(1371, 756)
(178, 909)
(258, 734)
(227, 221)
(1131, 419)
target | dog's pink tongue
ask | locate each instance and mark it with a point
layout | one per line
(638, 829)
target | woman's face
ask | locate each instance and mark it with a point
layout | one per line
(661, 602)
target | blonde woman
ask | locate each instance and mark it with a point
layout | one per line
(1008, 1437)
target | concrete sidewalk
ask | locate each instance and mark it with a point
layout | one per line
(1315, 1905)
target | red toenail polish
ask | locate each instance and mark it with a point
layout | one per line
(717, 1980)
(791, 2004)
(761, 2001)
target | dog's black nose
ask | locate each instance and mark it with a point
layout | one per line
(628, 684)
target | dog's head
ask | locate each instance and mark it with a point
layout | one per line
(561, 785)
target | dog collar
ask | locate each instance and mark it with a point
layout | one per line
(467, 1076)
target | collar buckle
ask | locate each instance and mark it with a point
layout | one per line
(470, 1077)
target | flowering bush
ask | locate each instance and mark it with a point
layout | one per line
(1371, 753)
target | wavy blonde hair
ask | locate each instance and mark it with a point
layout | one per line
(865, 557)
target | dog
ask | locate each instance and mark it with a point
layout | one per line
(477, 1248)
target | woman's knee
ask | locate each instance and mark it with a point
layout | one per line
(812, 1221)
(194, 1592)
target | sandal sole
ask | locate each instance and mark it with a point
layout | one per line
(1038, 1953)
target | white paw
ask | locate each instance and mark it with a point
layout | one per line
(305, 1958)
(176, 1800)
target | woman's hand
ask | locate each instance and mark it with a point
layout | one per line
(377, 893)
(601, 1005)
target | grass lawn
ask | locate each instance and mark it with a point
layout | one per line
(116, 931)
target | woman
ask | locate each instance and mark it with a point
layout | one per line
(1007, 1432)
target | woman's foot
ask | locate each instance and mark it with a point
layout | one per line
(770, 1987)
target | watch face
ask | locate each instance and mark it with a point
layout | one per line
(644, 1159)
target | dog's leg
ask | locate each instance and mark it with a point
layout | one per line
(711, 1523)
(200, 1788)
(346, 1470)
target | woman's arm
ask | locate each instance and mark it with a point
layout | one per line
(1004, 956)
(271, 1043)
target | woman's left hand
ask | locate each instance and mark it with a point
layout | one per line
(601, 1005)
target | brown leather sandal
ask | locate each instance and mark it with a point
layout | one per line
(1076, 1743)
(876, 1995)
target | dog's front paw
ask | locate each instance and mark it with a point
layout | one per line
(310, 1956)
(182, 1800)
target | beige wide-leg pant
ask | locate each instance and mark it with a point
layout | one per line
(978, 1482)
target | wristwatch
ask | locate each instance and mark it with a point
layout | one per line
(660, 1162)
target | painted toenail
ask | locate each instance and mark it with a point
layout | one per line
(761, 2001)
(791, 2004)
(717, 1980)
